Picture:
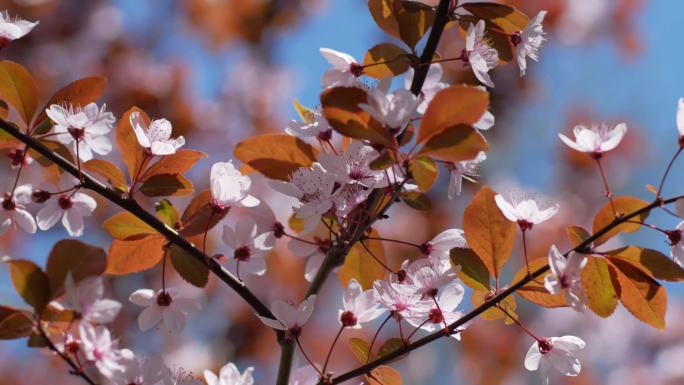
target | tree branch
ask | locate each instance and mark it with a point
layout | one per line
(134, 208)
(75, 369)
(494, 300)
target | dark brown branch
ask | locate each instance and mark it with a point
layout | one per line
(134, 208)
(75, 369)
(494, 301)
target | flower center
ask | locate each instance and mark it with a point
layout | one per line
(218, 208)
(348, 319)
(545, 345)
(525, 224)
(71, 347)
(17, 157)
(164, 299)
(432, 293)
(674, 236)
(242, 253)
(40, 196)
(8, 203)
(516, 38)
(325, 135)
(426, 248)
(65, 202)
(295, 331)
(401, 276)
(278, 230)
(435, 316)
(76, 133)
(565, 281)
(356, 69)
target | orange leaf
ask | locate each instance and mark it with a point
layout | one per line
(78, 93)
(494, 313)
(452, 106)
(424, 171)
(341, 109)
(71, 256)
(132, 256)
(360, 348)
(652, 262)
(163, 185)
(473, 271)
(18, 89)
(125, 225)
(386, 59)
(488, 232)
(359, 264)
(644, 297)
(598, 283)
(196, 217)
(455, 143)
(577, 235)
(383, 375)
(276, 156)
(498, 17)
(623, 205)
(14, 323)
(535, 291)
(126, 141)
(178, 163)
(31, 282)
(108, 170)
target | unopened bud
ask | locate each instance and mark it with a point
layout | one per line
(40, 196)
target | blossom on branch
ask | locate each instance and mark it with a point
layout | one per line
(359, 306)
(13, 212)
(290, 318)
(528, 42)
(393, 110)
(249, 247)
(565, 277)
(86, 299)
(479, 54)
(439, 246)
(597, 139)
(163, 307)
(13, 29)
(229, 187)
(555, 353)
(155, 138)
(525, 211)
(465, 169)
(85, 128)
(99, 349)
(71, 208)
(229, 375)
(345, 72)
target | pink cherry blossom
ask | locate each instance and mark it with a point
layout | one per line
(359, 306)
(555, 353)
(404, 303)
(393, 110)
(466, 169)
(86, 299)
(528, 42)
(12, 29)
(597, 139)
(676, 237)
(565, 276)
(479, 54)
(289, 317)
(156, 138)
(229, 375)
(165, 308)
(431, 86)
(442, 243)
(345, 69)
(524, 210)
(229, 187)
(13, 212)
(85, 128)
(99, 348)
(70, 207)
(248, 246)
(315, 253)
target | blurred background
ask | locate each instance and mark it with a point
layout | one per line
(221, 70)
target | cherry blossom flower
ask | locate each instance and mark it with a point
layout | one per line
(466, 169)
(676, 238)
(315, 126)
(359, 306)
(425, 276)
(479, 54)
(402, 303)
(440, 245)
(85, 128)
(596, 139)
(19, 158)
(141, 371)
(431, 86)
(314, 189)
(229, 187)
(680, 121)
(565, 276)
(290, 318)
(555, 353)
(71, 208)
(394, 109)
(164, 307)
(345, 71)
(86, 299)
(353, 165)
(528, 41)
(314, 252)
(13, 212)
(13, 29)
(442, 312)
(525, 211)
(248, 246)
(229, 375)
(99, 348)
(155, 138)
(305, 375)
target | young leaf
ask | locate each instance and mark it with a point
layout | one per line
(473, 271)
(417, 200)
(494, 313)
(276, 156)
(488, 232)
(167, 213)
(404, 20)
(31, 283)
(125, 225)
(383, 375)
(108, 170)
(384, 60)
(455, 143)
(132, 256)
(534, 291)
(362, 266)
(190, 269)
(597, 281)
(78, 93)
(360, 349)
(163, 185)
(576, 235)
(452, 106)
(126, 141)
(199, 216)
(341, 109)
(390, 346)
(71, 256)
(14, 323)
(18, 89)
(424, 171)
(644, 297)
(652, 262)
(178, 163)
(623, 205)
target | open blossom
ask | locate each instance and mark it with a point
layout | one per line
(440, 245)
(448, 300)
(315, 253)
(676, 237)
(163, 307)
(394, 109)
(596, 139)
(13, 212)
(404, 303)
(479, 54)
(140, 370)
(431, 86)
(13, 29)
(305, 375)
(86, 299)
(425, 277)
(315, 125)
(555, 353)
(249, 247)
(156, 138)
(680, 120)
(71, 208)
(525, 211)
(345, 69)
(314, 189)
(99, 348)
(229, 375)
(85, 128)
(359, 306)
(565, 276)
(229, 187)
(465, 169)
(289, 317)
(528, 41)
(353, 165)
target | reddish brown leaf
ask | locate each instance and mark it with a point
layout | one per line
(199, 216)
(31, 283)
(644, 297)
(276, 156)
(534, 291)
(78, 93)
(598, 283)
(623, 205)
(455, 143)
(18, 89)
(163, 185)
(71, 256)
(452, 106)
(132, 256)
(386, 59)
(107, 170)
(178, 163)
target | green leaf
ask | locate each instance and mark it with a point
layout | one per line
(31, 283)
(190, 269)
(417, 200)
(473, 272)
(166, 185)
(125, 225)
(360, 348)
(167, 213)
(71, 256)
